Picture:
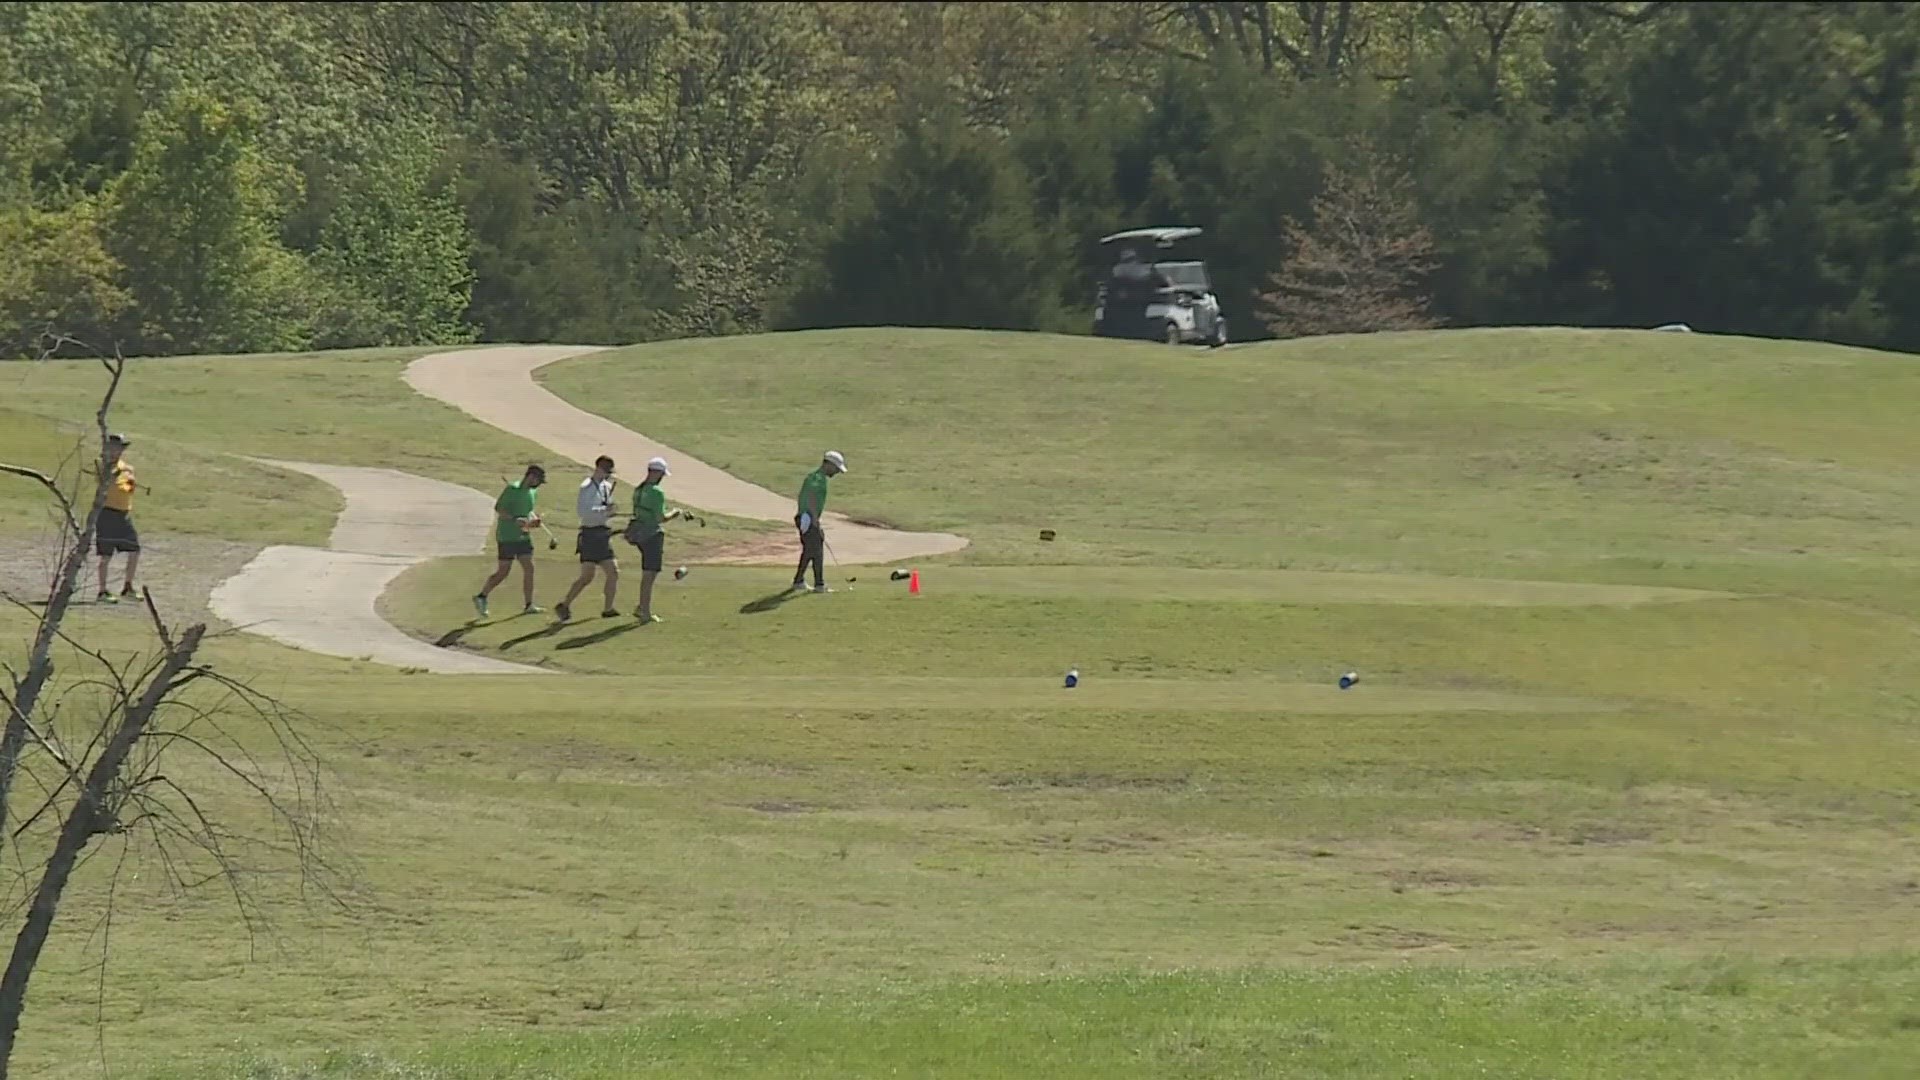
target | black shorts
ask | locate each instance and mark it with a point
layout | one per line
(594, 544)
(653, 552)
(514, 549)
(113, 533)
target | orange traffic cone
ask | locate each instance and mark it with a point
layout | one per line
(913, 583)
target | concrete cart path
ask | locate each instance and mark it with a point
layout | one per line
(496, 385)
(325, 600)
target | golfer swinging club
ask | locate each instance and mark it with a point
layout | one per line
(649, 514)
(813, 539)
(515, 514)
(594, 544)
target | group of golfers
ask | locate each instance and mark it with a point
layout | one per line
(593, 505)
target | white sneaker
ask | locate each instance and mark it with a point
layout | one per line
(818, 589)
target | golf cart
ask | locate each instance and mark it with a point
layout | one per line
(1147, 291)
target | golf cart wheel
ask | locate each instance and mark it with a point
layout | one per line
(1173, 333)
(1219, 336)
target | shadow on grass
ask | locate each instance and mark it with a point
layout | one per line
(452, 637)
(544, 632)
(768, 602)
(599, 636)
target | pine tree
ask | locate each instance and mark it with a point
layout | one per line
(1361, 266)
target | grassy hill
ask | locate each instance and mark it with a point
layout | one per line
(1569, 455)
(1623, 791)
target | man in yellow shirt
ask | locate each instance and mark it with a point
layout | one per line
(113, 530)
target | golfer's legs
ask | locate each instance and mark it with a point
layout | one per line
(646, 590)
(526, 578)
(580, 582)
(500, 571)
(613, 585)
(133, 564)
(105, 563)
(816, 544)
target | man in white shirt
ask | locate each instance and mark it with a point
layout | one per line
(594, 505)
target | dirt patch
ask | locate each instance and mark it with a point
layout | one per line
(1090, 782)
(1097, 844)
(1392, 937)
(1600, 834)
(180, 570)
(780, 806)
(753, 551)
(1444, 882)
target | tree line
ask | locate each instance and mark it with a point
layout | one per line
(200, 177)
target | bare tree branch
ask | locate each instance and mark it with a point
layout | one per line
(26, 692)
(83, 822)
(82, 757)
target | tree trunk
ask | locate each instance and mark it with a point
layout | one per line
(82, 823)
(26, 694)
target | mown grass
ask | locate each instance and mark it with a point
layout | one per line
(1556, 831)
(196, 421)
(1727, 1019)
(1606, 456)
(195, 490)
(583, 855)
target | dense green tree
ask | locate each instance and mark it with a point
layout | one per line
(59, 278)
(580, 272)
(948, 239)
(393, 249)
(627, 171)
(1730, 213)
(191, 221)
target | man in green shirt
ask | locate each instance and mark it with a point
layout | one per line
(813, 503)
(513, 515)
(644, 532)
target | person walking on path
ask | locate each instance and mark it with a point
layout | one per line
(594, 544)
(515, 515)
(113, 531)
(644, 532)
(813, 538)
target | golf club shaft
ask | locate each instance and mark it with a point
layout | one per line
(828, 544)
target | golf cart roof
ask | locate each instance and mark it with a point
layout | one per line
(1165, 236)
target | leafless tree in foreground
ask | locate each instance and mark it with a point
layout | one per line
(107, 751)
(1361, 265)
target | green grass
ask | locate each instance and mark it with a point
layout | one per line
(196, 419)
(195, 489)
(1720, 1019)
(1601, 456)
(1570, 824)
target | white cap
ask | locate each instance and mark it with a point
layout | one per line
(838, 461)
(658, 465)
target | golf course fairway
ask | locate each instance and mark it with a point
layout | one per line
(1625, 788)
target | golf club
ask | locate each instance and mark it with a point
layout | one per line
(837, 568)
